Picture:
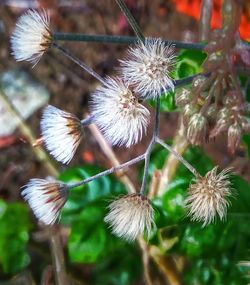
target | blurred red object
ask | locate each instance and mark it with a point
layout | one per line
(88, 156)
(192, 8)
(7, 141)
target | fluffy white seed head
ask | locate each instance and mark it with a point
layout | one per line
(46, 199)
(131, 216)
(148, 67)
(207, 196)
(61, 132)
(31, 37)
(118, 113)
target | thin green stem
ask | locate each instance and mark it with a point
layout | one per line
(131, 20)
(120, 40)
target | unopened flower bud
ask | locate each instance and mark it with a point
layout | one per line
(245, 123)
(197, 128)
(183, 97)
(224, 119)
(234, 136)
(198, 81)
(212, 111)
(188, 111)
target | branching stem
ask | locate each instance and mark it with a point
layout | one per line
(110, 39)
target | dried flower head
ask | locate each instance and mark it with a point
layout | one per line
(197, 127)
(32, 36)
(118, 113)
(46, 199)
(62, 133)
(207, 196)
(131, 216)
(148, 67)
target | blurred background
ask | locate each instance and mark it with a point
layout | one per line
(92, 254)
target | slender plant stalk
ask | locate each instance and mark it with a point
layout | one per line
(29, 135)
(179, 157)
(108, 171)
(131, 20)
(151, 145)
(79, 62)
(205, 19)
(120, 40)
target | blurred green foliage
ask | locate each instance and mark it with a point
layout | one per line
(14, 235)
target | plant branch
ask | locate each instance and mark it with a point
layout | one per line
(110, 39)
(205, 19)
(130, 18)
(108, 171)
(79, 62)
(179, 157)
(150, 147)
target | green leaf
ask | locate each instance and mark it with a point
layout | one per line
(167, 102)
(246, 140)
(14, 236)
(81, 196)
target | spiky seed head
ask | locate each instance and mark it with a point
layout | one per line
(207, 197)
(183, 97)
(148, 66)
(31, 37)
(61, 132)
(197, 128)
(234, 137)
(118, 113)
(46, 199)
(131, 216)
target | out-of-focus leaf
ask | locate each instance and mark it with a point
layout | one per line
(14, 235)
(246, 140)
(167, 102)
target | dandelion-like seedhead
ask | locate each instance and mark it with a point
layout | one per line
(61, 132)
(148, 66)
(46, 199)
(207, 196)
(32, 36)
(131, 216)
(118, 113)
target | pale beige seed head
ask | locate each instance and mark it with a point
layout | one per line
(131, 216)
(197, 127)
(207, 197)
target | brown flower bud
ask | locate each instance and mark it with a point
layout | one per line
(234, 136)
(245, 123)
(212, 111)
(197, 128)
(224, 119)
(183, 97)
(188, 111)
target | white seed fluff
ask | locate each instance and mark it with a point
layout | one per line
(46, 199)
(207, 196)
(147, 68)
(118, 113)
(31, 37)
(61, 132)
(131, 216)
